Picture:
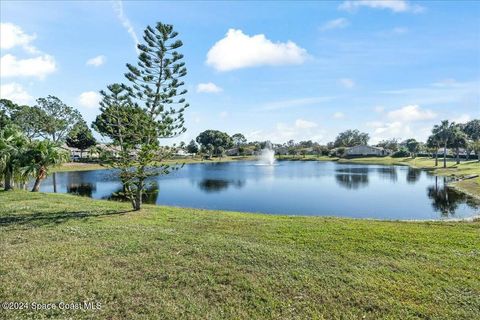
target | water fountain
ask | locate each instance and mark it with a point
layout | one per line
(267, 156)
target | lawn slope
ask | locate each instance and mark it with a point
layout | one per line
(175, 263)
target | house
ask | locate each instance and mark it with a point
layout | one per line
(364, 150)
(281, 151)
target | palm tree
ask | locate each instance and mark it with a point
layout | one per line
(443, 133)
(12, 144)
(41, 157)
(458, 140)
(433, 144)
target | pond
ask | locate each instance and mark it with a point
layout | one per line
(289, 187)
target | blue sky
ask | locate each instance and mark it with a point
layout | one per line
(271, 70)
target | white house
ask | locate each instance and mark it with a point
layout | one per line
(364, 150)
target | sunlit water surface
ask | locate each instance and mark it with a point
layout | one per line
(289, 187)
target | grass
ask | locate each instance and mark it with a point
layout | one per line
(174, 263)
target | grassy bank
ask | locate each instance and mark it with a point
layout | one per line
(80, 166)
(175, 263)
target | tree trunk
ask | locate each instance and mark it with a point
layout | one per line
(54, 181)
(436, 158)
(445, 155)
(36, 185)
(8, 179)
(458, 156)
(41, 175)
(81, 154)
(138, 199)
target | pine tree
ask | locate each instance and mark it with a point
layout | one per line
(150, 109)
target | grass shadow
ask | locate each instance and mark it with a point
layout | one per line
(38, 219)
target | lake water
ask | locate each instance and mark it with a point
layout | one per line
(289, 187)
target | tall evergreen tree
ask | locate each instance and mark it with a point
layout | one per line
(156, 99)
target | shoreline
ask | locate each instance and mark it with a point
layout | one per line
(457, 171)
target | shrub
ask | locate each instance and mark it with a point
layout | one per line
(402, 153)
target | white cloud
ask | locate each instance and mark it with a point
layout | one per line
(118, 8)
(347, 83)
(96, 61)
(402, 123)
(15, 92)
(284, 104)
(304, 124)
(12, 35)
(463, 118)
(38, 67)
(379, 109)
(338, 115)
(238, 50)
(393, 5)
(390, 130)
(89, 99)
(411, 113)
(208, 87)
(339, 23)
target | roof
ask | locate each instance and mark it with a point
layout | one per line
(367, 146)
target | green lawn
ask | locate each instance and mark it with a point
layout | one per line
(174, 263)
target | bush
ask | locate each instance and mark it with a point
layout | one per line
(402, 153)
(337, 152)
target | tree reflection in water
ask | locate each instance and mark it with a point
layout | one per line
(352, 178)
(413, 175)
(389, 173)
(446, 200)
(82, 189)
(149, 196)
(217, 185)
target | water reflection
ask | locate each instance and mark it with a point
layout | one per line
(389, 173)
(446, 200)
(82, 189)
(413, 175)
(290, 187)
(150, 195)
(352, 178)
(217, 185)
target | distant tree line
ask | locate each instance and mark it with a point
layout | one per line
(31, 139)
(447, 135)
